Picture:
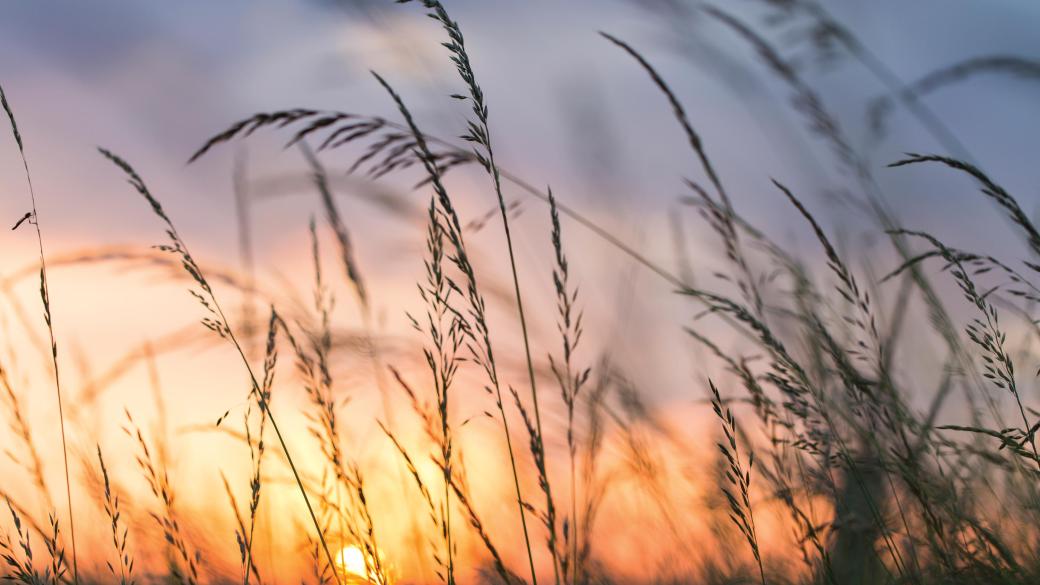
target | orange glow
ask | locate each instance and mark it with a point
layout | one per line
(369, 433)
(351, 560)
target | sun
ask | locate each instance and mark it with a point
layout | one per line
(351, 560)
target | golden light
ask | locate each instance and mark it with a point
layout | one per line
(351, 560)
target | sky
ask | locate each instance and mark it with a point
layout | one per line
(152, 81)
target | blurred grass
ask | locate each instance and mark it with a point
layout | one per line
(826, 469)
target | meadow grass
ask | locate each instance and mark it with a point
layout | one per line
(816, 409)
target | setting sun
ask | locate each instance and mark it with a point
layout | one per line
(351, 561)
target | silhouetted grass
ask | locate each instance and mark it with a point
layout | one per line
(859, 484)
(33, 218)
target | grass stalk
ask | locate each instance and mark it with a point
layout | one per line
(218, 323)
(478, 330)
(33, 217)
(478, 133)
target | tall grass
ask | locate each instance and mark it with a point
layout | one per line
(215, 321)
(834, 474)
(120, 531)
(476, 329)
(33, 218)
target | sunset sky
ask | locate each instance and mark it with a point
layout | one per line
(152, 81)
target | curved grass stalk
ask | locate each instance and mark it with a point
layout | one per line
(478, 329)
(478, 132)
(34, 218)
(218, 323)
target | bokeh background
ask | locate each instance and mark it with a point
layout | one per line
(152, 81)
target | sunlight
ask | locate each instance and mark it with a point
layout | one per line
(351, 560)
